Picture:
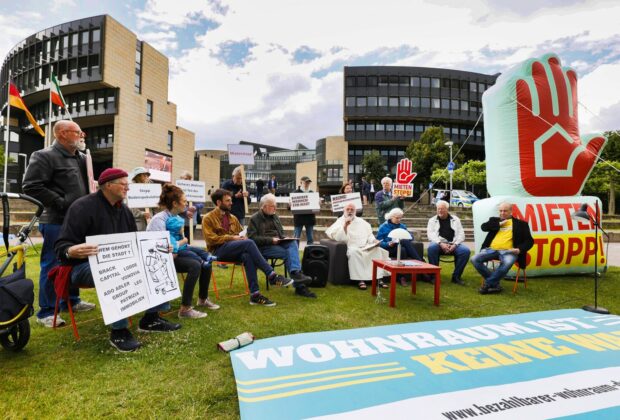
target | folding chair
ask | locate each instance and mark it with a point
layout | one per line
(232, 277)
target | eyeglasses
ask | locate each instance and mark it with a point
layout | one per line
(124, 184)
(79, 132)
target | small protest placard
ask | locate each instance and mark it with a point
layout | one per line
(194, 190)
(240, 154)
(141, 196)
(132, 272)
(340, 200)
(305, 203)
(402, 190)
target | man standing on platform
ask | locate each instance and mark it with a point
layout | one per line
(508, 241)
(56, 176)
(384, 201)
(235, 186)
(446, 236)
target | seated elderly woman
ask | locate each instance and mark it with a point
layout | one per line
(392, 221)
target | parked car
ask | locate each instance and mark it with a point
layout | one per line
(460, 198)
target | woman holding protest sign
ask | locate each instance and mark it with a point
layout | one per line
(141, 175)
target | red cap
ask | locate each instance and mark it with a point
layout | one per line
(111, 174)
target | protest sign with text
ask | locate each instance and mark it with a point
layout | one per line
(305, 203)
(194, 190)
(132, 272)
(340, 200)
(143, 195)
(240, 154)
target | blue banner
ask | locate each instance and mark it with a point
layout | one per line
(533, 365)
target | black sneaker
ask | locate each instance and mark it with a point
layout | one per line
(487, 290)
(158, 324)
(301, 278)
(123, 341)
(280, 281)
(458, 280)
(258, 299)
(304, 291)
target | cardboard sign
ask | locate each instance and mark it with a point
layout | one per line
(132, 272)
(404, 172)
(305, 203)
(194, 190)
(141, 196)
(402, 190)
(240, 154)
(341, 200)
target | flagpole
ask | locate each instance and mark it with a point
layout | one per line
(8, 130)
(48, 131)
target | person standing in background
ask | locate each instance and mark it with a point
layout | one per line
(273, 185)
(191, 212)
(235, 186)
(142, 217)
(260, 184)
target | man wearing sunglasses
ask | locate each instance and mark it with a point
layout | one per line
(56, 176)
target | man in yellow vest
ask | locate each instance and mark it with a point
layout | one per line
(508, 241)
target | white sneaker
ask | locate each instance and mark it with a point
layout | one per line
(207, 304)
(83, 306)
(48, 321)
(191, 313)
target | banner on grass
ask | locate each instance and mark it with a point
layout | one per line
(533, 365)
(132, 272)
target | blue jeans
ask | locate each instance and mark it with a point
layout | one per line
(81, 276)
(289, 252)
(309, 231)
(47, 295)
(194, 253)
(506, 259)
(247, 252)
(461, 256)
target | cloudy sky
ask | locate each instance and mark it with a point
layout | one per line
(270, 71)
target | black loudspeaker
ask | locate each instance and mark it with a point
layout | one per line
(316, 264)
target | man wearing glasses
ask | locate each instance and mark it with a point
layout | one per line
(56, 176)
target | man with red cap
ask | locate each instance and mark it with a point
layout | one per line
(104, 213)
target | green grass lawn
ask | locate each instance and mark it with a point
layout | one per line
(182, 375)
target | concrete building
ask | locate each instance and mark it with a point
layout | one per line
(116, 87)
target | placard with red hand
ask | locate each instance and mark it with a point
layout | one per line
(403, 186)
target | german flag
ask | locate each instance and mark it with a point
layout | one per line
(15, 100)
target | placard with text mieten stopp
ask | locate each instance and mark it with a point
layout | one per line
(132, 272)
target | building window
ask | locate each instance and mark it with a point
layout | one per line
(464, 106)
(415, 82)
(403, 81)
(383, 101)
(435, 82)
(370, 126)
(170, 140)
(383, 80)
(350, 127)
(455, 104)
(350, 81)
(435, 103)
(393, 101)
(415, 102)
(349, 101)
(473, 87)
(149, 111)
(425, 103)
(425, 82)
(361, 101)
(404, 101)
(138, 68)
(445, 104)
(361, 81)
(372, 101)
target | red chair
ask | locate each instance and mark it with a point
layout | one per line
(61, 276)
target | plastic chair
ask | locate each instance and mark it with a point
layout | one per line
(232, 277)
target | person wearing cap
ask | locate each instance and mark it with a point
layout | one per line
(307, 220)
(103, 213)
(142, 217)
(56, 176)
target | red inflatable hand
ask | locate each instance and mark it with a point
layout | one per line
(403, 172)
(554, 160)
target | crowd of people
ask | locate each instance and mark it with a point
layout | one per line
(58, 177)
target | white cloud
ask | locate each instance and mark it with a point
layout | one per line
(164, 41)
(598, 94)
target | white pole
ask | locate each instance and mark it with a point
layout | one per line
(8, 131)
(48, 131)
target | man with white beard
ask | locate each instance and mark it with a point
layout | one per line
(357, 233)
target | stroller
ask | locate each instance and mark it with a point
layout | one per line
(16, 291)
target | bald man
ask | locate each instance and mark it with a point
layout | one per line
(56, 176)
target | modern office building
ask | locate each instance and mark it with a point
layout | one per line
(270, 160)
(116, 87)
(385, 108)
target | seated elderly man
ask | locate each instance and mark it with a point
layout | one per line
(357, 234)
(266, 230)
(104, 213)
(446, 236)
(508, 241)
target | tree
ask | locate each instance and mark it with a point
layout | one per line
(373, 165)
(430, 153)
(612, 149)
(474, 172)
(604, 179)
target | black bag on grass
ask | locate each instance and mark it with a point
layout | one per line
(16, 298)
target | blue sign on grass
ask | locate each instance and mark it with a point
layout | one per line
(533, 365)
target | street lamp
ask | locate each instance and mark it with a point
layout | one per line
(450, 168)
